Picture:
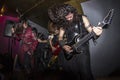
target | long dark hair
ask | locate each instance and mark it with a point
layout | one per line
(19, 26)
(58, 12)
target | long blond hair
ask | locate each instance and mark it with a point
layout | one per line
(52, 27)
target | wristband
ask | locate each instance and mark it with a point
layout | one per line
(62, 43)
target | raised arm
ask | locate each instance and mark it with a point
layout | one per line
(97, 30)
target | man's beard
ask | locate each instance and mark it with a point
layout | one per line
(70, 23)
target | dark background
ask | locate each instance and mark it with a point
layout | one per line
(105, 56)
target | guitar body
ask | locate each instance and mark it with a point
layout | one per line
(69, 56)
(75, 39)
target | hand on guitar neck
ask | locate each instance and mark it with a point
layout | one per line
(97, 30)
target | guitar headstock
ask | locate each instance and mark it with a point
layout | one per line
(107, 20)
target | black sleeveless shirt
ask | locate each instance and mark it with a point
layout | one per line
(75, 29)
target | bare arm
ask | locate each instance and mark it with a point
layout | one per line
(98, 30)
(50, 41)
(62, 43)
(62, 31)
(51, 44)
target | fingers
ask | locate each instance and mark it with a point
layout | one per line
(98, 30)
(68, 48)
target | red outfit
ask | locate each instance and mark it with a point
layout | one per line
(29, 42)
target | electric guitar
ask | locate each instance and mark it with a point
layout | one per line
(77, 41)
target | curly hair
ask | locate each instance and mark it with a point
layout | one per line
(58, 12)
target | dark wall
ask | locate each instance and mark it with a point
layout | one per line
(105, 56)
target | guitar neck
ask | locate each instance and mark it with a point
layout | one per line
(84, 40)
(87, 37)
(102, 24)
